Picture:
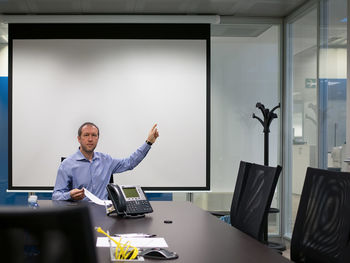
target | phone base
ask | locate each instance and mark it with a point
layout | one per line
(133, 216)
(115, 213)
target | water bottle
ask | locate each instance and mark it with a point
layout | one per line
(33, 201)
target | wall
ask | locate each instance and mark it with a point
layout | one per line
(347, 147)
(7, 198)
(244, 71)
(3, 123)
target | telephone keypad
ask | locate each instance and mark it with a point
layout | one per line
(138, 207)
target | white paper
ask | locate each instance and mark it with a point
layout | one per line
(136, 242)
(95, 199)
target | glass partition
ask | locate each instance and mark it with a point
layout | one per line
(315, 94)
(245, 69)
(332, 80)
(303, 39)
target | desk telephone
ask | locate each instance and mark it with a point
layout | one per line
(128, 200)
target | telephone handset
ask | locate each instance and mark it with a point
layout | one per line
(128, 200)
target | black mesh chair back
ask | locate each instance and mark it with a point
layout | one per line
(258, 187)
(47, 235)
(240, 184)
(322, 226)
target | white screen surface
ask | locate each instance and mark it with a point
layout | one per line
(123, 86)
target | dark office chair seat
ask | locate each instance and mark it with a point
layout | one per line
(322, 227)
(280, 247)
(252, 198)
(46, 235)
(240, 182)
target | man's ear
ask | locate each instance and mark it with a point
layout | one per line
(78, 138)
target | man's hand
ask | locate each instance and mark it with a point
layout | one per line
(153, 134)
(77, 194)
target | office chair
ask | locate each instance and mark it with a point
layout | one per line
(46, 235)
(250, 206)
(322, 227)
(240, 185)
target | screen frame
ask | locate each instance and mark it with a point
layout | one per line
(109, 31)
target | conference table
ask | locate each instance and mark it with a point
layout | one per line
(194, 234)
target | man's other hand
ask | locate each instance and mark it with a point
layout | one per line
(153, 134)
(77, 194)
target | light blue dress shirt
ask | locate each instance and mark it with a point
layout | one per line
(76, 172)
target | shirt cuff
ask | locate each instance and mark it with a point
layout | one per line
(145, 146)
(67, 196)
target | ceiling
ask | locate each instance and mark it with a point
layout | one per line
(13, 10)
(226, 10)
(261, 8)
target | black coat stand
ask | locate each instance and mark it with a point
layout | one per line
(268, 116)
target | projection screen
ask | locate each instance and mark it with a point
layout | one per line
(122, 77)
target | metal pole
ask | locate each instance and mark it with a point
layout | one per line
(266, 148)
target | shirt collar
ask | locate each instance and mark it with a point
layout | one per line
(78, 156)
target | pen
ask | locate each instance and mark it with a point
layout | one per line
(134, 235)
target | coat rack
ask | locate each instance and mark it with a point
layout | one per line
(268, 117)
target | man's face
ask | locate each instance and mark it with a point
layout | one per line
(88, 139)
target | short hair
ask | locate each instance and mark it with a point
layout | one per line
(88, 123)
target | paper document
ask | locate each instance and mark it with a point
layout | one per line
(95, 199)
(136, 242)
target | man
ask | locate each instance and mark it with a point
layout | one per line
(92, 170)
